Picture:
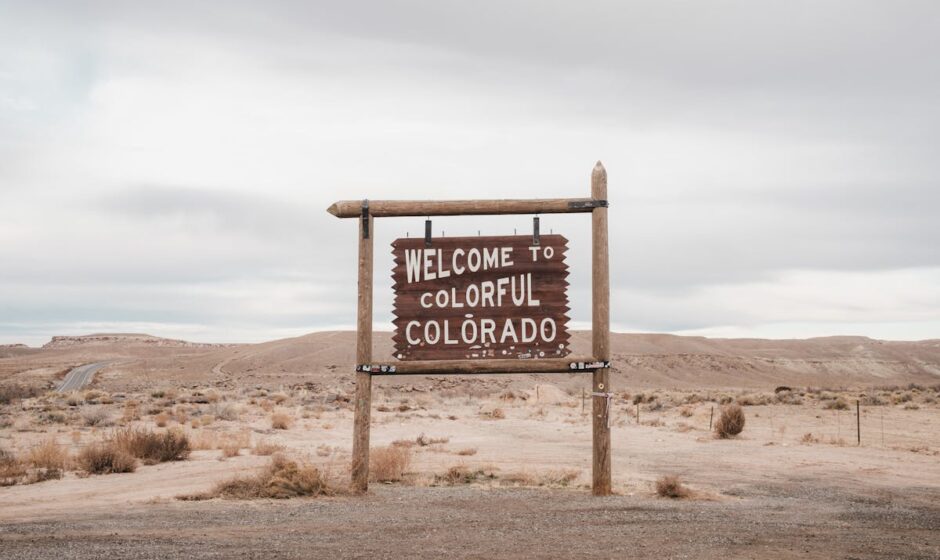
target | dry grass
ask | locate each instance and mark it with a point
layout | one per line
(281, 479)
(12, 470)
(10, 393)
(153, 447)
(225, 411)
(161, 420)
(461, 474)
(493, 414)
(48, 459)
(96, 416)
(424, 441)
(388, 464)
(266, 448)
(48, 455)
(730, 422)
(105, 458)
(467, 451)
(230, 450)
(281, 421)
(671, 486)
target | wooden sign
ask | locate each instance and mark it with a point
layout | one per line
(481, 298)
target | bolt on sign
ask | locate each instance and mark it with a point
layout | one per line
(481, 298)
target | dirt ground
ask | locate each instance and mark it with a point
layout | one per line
(793, 484)
(791, 519)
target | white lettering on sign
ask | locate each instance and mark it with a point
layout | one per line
(484, 297)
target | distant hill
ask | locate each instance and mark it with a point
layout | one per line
(639, 361)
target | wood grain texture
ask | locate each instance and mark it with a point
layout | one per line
(444, 317)
(393, 208)
(363, 405)
(600, 335)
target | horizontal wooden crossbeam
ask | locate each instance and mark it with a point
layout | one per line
(570, 364)
(399, 208)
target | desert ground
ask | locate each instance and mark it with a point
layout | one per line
(177, 450)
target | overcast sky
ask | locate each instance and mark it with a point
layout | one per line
(165, 167)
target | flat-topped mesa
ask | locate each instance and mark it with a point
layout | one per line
(101, 339)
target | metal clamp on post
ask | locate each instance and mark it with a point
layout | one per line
(610, 398)
(593, 203)
(589, 365)
(365, 219)
(375, 368)
(427, 232)
(536, 241)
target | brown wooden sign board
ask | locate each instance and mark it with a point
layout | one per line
(481, 298)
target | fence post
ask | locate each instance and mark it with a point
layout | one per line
(858, 420)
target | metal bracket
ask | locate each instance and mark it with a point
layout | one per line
(535, 231)
(592, 203)
(375, 368)
(365, 219)
(578, 366)
(427, 233)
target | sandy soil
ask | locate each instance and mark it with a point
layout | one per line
(765, 494)
(793, 485)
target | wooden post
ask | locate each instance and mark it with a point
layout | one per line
(858, 420)
(600, 335)
(360, 453)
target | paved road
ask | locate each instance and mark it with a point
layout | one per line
(80, 376)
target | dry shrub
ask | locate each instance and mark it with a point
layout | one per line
(468, 451)
(10, 393)
(671, 486)
(686, 411)
(266, 405)
(279, 398)
(93, 396)
(495, 414)
(161, 419)
(96, 416)
(225, 411)
(206, 420)
(12, 470)
(203, 439)
(461, 474)
(281, 479)
(153, 447)
(836, 404)
(266, 448)
(48, 455)
(49, 460)
(281, 421)
(388, 464)
(131, 411)
(425, 441)
(808, 437)
(730, 422)
(105, 458)
(230, 450)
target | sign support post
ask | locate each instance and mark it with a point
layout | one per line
(598, 364)
(600, 335)
(363, 407)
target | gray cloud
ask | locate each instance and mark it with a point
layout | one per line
(170, 163)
